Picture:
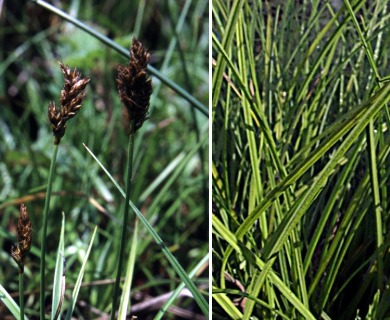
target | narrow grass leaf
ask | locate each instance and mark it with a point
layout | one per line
(226, 43)
(161, 177)
(227, 305)
(58, 282)
(366, 45)
(10, 303)
(171, 258)
(299, 171)
(225, 233)
(233, 242)
(288, 224)
(125, 298)
(80, 278)
(181, 286)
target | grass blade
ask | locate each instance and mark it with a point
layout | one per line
(58, 283)
(176, 293)
(10, 303)
(289, 223)
(258, 263)
(226, 43)
(80, 278)
(171, 258)
(227, 305)
(125, 298)
(44, 230)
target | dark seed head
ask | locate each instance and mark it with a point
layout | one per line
(71, 99)
(24, 233)
(134, 86)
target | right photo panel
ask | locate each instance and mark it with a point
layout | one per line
(300, 159)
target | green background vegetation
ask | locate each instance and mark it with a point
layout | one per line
(301, 145)
(169, 186)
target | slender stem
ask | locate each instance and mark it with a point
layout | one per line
(21, 295)
(163, 247)
(125, 218)
(44, 230)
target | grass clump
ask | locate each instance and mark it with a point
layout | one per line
(300, 135)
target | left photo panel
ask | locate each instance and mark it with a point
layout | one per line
(104, 159)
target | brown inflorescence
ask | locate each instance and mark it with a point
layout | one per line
(134, 86)
(24, 231)
(71, 98)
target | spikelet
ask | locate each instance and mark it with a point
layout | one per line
(134, 86)
(71, 99)
(24, 230)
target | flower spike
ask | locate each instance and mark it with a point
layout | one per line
(134, 86)
(71, 98)
(24, 230)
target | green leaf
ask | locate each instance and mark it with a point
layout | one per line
(59, 277)
(171, 258)
(227, 305)
(7, 300)
(177, 291)
(125, 298)
(80, 278)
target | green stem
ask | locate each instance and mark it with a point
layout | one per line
(164, 249)
(125, 218)
(21, 295)
(44, 230)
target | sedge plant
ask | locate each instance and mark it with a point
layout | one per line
(134, 88)
(19, 252)
(166, 191)
(71, 99)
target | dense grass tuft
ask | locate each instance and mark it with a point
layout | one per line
(300, 160)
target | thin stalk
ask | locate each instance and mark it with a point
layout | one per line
(21, 295)
(43, 241)
(125, 302)
(164, 249)
(125, 217)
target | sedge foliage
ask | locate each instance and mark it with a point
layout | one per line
(301, 144)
